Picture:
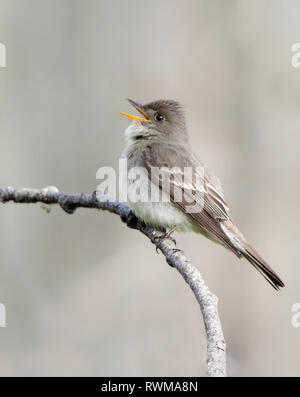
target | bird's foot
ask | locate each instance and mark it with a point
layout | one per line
(162, 237)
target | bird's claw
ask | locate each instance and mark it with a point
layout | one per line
(163, 237)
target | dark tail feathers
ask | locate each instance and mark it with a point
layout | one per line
(257, 261)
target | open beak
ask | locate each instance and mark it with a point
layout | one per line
(139, 108)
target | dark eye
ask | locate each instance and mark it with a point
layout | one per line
(159, 117)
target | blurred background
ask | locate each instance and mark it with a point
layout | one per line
(85, 295)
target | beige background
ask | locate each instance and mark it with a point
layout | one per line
(85, 295)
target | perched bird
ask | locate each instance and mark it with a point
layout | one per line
(158, 140)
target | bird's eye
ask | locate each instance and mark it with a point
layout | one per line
(159, 117)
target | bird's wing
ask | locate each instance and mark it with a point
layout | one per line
(215, 200)
(199, 197)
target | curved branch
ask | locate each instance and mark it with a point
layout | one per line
(216, 358)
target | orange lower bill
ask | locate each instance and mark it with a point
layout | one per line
(137, 118)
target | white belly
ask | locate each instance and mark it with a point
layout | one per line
(161, 215)
(160, 212)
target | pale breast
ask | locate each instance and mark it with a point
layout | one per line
(145, 198)
(162, 215)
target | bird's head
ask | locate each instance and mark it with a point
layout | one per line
(161, 120)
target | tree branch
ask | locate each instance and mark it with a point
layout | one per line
(216, 358)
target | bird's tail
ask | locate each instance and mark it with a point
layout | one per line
(257, 261)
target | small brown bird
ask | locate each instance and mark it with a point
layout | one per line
(158, 140)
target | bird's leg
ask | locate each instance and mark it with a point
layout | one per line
(163, 237)
(168, 234)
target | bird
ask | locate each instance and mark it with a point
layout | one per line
(157, 153)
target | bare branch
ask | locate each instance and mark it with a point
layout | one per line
(216, 357)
